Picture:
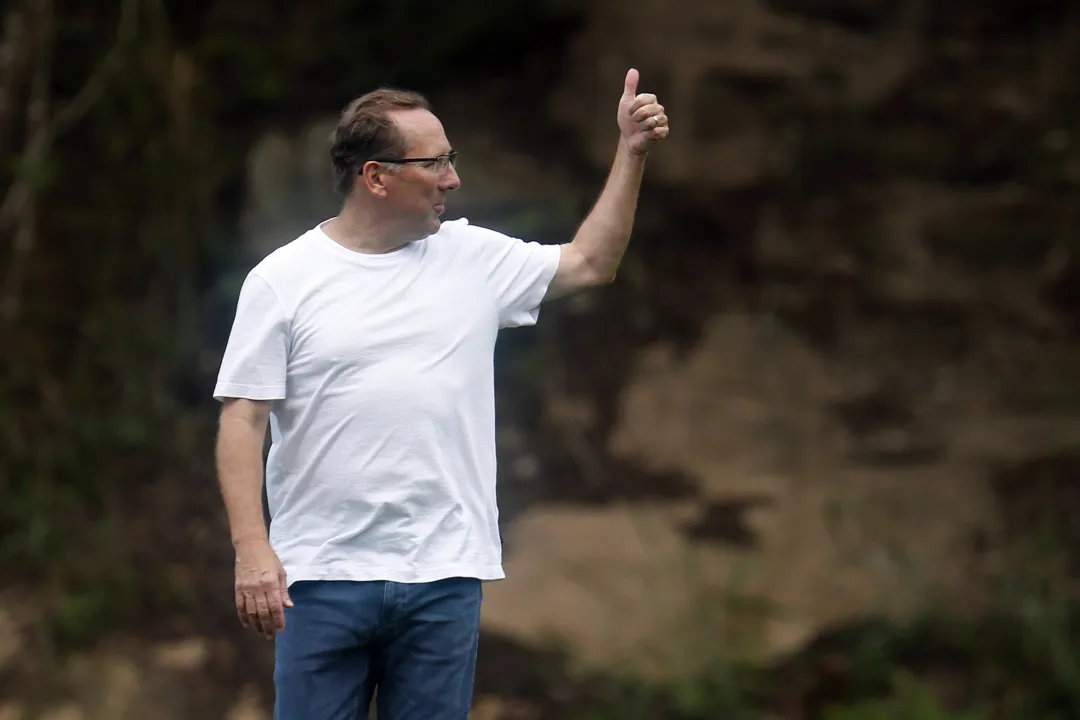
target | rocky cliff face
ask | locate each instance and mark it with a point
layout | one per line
(843, 322)
(836, 376)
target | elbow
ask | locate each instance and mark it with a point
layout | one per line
(586, 268)
(598, 274)
(604, 278)
(596, 278)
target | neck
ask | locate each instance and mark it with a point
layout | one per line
(357, 229)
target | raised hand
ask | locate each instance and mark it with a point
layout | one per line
(642, 120)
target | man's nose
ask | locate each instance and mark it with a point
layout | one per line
(450, 179)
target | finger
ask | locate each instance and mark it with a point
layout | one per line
(659, 133)
(276, 596)
(251, 611)
(277, 612)
(646, 111)
(266, 625)
(642, 100)
(630, 84)
(253, 601)
(241, 610)
(652, 122)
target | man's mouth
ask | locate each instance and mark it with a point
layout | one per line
(440, 209)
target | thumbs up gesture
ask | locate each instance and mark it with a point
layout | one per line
(642, 121)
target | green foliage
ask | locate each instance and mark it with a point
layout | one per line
(727, 692)
(87, 415)
(1018, 660)
(998, 668)
(912, 699)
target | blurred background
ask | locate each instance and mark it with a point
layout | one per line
(815, 454)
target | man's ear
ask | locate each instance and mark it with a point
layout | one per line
(373, 175)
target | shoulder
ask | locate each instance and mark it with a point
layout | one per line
(461, 235)
(491, 246)
(283, 266)
(462, 229)
(279, 279)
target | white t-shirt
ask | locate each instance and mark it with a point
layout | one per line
(382, 463)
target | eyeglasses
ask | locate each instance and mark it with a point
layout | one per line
(440, 163)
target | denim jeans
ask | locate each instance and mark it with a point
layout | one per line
(412, 645)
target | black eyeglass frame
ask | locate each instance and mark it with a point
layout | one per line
(451, 158)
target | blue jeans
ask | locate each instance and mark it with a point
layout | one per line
(414, 643)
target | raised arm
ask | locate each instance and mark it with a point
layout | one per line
(593, 256)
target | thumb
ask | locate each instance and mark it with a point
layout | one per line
(285, 599)
(630, 87)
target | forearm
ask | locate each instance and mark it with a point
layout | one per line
(240, 475)
(603, 236)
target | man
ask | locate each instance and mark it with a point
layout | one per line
(367, 344)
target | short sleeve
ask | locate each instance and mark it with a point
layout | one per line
(518, 272)
(255, 359)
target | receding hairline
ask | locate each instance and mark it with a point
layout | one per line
(392, 114)
(386, 99)
(430, 122)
